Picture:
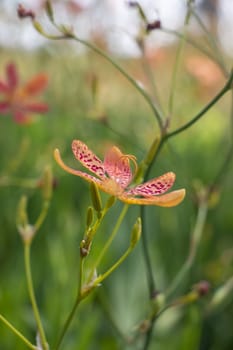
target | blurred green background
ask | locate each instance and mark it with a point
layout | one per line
(118, 115)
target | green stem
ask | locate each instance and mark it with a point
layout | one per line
(198, 47)
(81, 266)
(150, 77)
(109, 241)
(177, 63)
(100, 279)
(17, 333)
(211, 39)
(32, 296)
(194, 244)
(146, 255)
(6, 181)
(68, 322)
(195, 240)
(151, 281)
(80, 295)
(204, 110)
(126, 75)
(43, 214)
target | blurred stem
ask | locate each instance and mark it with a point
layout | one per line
(68, 34)
(125, 74)
(163, 140)
(80, 293)
(43, 214)
(17, 333)
(198, 47)
(109, 241)
(32, 296)
(7, 181)
(75, 306)
(222, 170)
(222, 92)
(150, 77)
(146, 254)
(21, 153)
(211, 39)
(177, 64)
(68, 322)
(100, 278)
(194, 244)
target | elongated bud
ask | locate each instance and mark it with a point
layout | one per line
(21, 216)
(96, 199)
(40, 30)
(94, 88)
(90, 216)
(152, 151)
(221, 296)
(111, 200)
(26, 230)
(47, 183)
(147, 161)
(49, 10)
(136, 233)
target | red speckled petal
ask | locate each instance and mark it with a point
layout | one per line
(87, 158)
(117, 165)
(154, 187)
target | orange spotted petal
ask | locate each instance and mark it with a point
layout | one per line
(117, 166)
(79, 173)
(88, 159)
(167, 200)
(154, 187)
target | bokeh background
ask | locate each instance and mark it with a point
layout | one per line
(89, 100)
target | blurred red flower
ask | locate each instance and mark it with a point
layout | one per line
(19, 100)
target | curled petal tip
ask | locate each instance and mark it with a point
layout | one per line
(174, 198)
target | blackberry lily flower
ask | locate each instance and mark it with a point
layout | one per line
(19, 100)
(114, 176)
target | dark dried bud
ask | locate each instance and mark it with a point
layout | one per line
(132, 3)
(23, 12)
(202, 288)
(154, 25)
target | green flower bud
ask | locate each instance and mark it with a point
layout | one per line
(96, 199)
(49, 10)
(21, 216)
(111, 200)
(136, 233)
(47, 183)
(90, 216)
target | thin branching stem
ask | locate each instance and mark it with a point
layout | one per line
(31, 292)
(204, 110)
(140, 89)
(200, 48)
(211, 40)
(194, 244)
(109, 241)
(17, 333)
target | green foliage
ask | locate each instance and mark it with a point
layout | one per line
(120, 117)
